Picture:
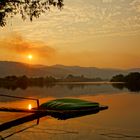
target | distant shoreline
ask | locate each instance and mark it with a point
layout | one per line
(88, 83)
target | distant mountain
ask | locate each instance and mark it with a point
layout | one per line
(59, 71)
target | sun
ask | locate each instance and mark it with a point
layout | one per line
(30, 56)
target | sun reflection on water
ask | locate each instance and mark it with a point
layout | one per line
(29, 106)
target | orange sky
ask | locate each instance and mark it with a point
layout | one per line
(101, 33)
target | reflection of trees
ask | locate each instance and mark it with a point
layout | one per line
(73, 86)
(81, 78)
(131, 81)
(131, 87)
(22, 82)
(118, 86)
(13, 82)
(26, 8)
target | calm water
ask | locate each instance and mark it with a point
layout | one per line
(120, 121)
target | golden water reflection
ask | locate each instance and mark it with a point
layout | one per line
(121, 120)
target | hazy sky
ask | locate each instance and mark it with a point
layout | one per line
(100, 33)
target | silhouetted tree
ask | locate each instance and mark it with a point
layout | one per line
(118, 78)
(132, 78)
(26, 8)
(50, 79)
(22, 82)
(131, 81)
(13, 82)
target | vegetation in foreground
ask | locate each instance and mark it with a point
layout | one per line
(26, 8)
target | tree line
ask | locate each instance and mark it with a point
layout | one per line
(130, 81)
(14, 82)
(131, 78)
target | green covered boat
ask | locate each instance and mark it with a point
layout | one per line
(68, 104)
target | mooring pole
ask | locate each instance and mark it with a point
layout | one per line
(37, 103)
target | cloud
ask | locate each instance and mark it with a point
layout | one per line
(15, 43)
(75, 22)
(135, 5)
(107, 1)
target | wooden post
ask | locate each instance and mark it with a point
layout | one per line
(37, 103)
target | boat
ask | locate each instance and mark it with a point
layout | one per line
(59, 108)
(70, 104)
(67, 108)
(62, 109)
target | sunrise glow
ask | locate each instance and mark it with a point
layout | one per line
(30, 56)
